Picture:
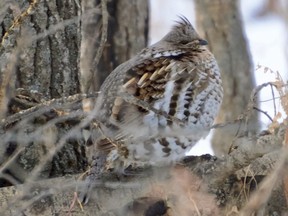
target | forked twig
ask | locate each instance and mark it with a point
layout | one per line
(264, 112)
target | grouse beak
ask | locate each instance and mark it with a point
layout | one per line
(203, 42)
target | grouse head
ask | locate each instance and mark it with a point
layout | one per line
(184, 36)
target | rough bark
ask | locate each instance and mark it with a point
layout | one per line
(127, 35)
(47, 64)
(41, 58)
(220, 23)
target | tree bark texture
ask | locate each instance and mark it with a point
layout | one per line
(42, 54)
(127, 35)
(220, 23)
(47, 64)
(39, 58)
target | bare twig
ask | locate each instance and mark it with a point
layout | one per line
(133, 100)
(18, 20)
(53, 29)
(104, 31)
(268, 100)
(261, 196)
(253, 101)
(273, 97)
(265, 113)
(246, 151)
(45, 107)
(250, 107)
(10, 160)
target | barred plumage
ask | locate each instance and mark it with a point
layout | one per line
(179, 78)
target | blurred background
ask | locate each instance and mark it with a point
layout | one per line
(265, 26)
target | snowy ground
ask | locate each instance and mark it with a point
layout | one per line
(267, 38)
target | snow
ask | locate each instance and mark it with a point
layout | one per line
(267, 38)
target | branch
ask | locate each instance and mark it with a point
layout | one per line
(259, 199)
(103, 33)
(44, 107)
(265, 113)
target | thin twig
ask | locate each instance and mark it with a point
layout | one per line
(261, 196)
(225, 124)
(265, 113)
(252, 101)
(268, 100)
(143, 104)
(44, 107)
(104, 31)
(274, 103)
(18, 20)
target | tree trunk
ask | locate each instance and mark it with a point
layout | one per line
(45, 47)
(47, 64)
(127, 34)
(39, 58)
(220, 23)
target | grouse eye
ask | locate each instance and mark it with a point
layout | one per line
(195, 46)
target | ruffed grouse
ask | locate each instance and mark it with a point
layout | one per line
(153, 108)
